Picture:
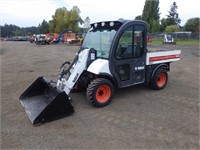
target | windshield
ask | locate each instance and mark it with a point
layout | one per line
(169, 37)
(100, 40)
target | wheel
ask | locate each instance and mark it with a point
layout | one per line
(159, 80)
(100, 92)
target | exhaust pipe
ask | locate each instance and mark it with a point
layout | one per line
(44, 102)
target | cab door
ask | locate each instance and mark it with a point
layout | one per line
(128, 57)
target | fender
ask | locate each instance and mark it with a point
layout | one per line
(109, 77)
(159, 66)
(99, 66)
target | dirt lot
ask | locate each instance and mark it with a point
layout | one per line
(137, 118)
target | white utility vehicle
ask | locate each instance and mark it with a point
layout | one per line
(113, 55)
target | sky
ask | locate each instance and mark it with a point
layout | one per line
(27, 13)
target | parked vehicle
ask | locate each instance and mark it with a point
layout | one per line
(113, 55)
(168, 39)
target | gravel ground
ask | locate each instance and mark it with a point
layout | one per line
(137, 118)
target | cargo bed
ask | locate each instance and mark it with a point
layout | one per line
(162, 56)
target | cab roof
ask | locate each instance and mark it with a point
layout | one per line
(115, 23)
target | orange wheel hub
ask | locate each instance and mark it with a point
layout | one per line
(161, 80)
(103, 93)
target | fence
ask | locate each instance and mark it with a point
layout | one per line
(178, 35)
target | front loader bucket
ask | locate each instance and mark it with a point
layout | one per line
(45, 102)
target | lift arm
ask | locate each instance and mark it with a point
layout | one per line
(73, 72)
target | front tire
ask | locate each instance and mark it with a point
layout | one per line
(100, 92)
(159, 79)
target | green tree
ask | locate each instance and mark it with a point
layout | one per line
(65, 19)
(151, 15)
(139, 17)
(18, 32)
(52, 26)
(13, 30)
(173, 17)
(32, 30)
(164, 23)
(43, 27)
(74, 19)
(59, 19)
(171, 28)
(192, 24)
(154, 26)
(9, 30)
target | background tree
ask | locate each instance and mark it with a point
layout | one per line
(139, 17)
(173, 17)
(74, 19)
(192, 25)
(64, 19)
(151, 15)
(43, 27)
(171, 28)
(9, 30)
(164, 23)
(154, 26)
(52, 25)
(58, 20)
(17, 32)
(32, 30)
(86, 24)
(13, 30)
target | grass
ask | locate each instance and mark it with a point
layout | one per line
(182, 42)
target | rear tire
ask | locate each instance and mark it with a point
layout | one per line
(159, 80)
(100, 92)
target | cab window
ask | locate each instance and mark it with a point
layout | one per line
(131, 43)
